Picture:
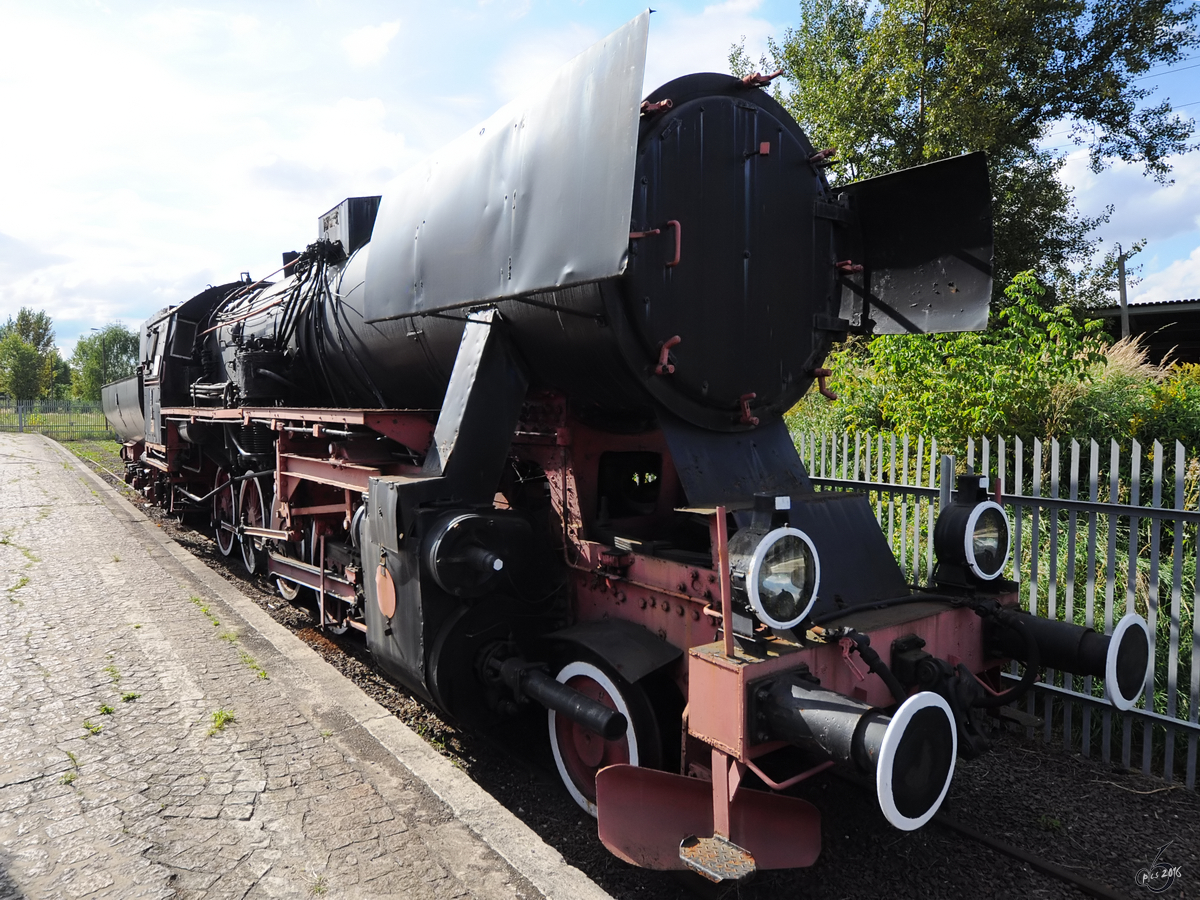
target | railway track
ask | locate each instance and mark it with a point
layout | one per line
(862, 856)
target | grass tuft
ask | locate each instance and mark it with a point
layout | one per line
(220, 719)
(252, 664)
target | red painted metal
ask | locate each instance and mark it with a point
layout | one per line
(648, 107)
(822, 385)
(757, 80)
(411, 427)
(747, 418)
(309, 576)
(321, 583)
(664, 349)
(678, 242)
(582, 751)
(794, 780)
(951, 634)
(385, 591)
(722, 792)
(723, 570)
(335, 473)
(644, 815)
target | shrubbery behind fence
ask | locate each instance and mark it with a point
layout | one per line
(1096, 530)
(63, 420)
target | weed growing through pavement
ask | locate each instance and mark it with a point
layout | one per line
(326, 734)
(68, 778)
(73, 758)
(204, 609)
(129, 696)
(91, 729)
(21, 582)
(137, 625)
(230, 636)
(106, 710)
(253, 665)
(113, 673)
(116, 558)
(317, 885)
(220, 719)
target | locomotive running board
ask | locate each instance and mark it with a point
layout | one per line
(644, 816)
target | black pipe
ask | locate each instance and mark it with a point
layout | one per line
(528, 680)
(862, 643)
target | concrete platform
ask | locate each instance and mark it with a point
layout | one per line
(161, 736)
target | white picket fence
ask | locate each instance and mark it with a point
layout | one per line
(1094, 533)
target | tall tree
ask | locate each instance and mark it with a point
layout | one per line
(903, 82)
(105, 355)
(27, 355)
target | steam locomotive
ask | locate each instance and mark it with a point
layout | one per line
(520, 423)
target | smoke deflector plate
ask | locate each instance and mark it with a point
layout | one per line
(536, 197)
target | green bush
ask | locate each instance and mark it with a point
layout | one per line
(1039, 373)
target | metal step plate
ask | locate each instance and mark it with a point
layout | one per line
(716, 858)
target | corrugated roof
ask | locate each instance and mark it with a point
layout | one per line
(1181, 305)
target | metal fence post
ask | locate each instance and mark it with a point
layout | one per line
(946, 478)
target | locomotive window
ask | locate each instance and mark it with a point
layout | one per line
(629, 483)
(183, 335)
(153, 356)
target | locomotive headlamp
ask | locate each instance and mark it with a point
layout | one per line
(776, 574)
(972, 537)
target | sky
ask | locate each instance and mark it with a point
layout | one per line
(152, 148)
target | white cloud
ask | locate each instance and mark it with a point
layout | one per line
(682, 43)
(526, 64)
(1180, 280)
(1142, 206)
(367, 46)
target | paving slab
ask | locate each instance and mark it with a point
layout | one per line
(161, 736)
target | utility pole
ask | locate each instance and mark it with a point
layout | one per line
(1121, 285)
